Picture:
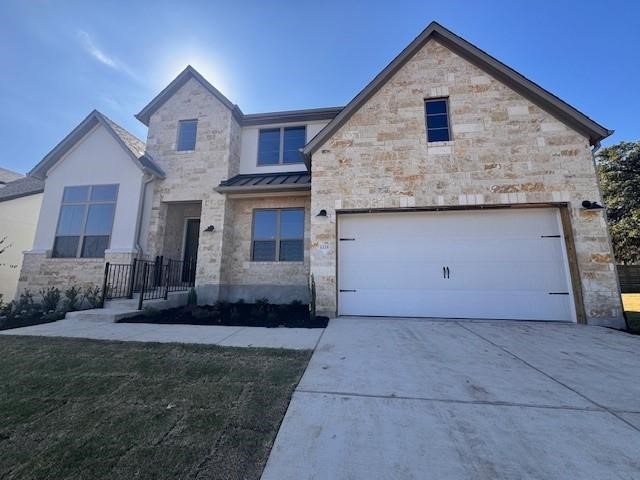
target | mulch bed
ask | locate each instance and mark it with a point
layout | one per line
(234, 314)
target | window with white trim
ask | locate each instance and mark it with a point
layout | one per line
(281, 146)
(85, 221)
(278, 235)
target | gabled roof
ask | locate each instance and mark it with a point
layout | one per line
(145, 114)
(538, 95)
(266, 182)
(131, 144)
(21, 188)
(7, 175)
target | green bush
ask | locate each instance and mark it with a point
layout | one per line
(50, 299)
(92, 296)
(312, 302)
(72, 298)
(192, 297)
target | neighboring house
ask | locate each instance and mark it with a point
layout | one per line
(20, 201)
(450, 186)
(7, 176)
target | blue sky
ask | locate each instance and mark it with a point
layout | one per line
(61, 59)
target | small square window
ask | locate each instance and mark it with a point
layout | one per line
(187, 130)
(437, 120)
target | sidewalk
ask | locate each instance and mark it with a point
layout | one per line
(292, 338)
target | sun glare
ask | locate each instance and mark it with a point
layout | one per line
(209, 67)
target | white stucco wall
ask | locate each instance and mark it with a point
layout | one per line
(249, 148)
(18, 220)
(97, 159)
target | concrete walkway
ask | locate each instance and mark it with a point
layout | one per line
(420, 399)
(293, 338)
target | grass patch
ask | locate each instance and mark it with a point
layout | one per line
(631, 302)
(74, 408)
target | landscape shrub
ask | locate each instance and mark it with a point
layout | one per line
(92, 296)
(72, 298)
(50, 299)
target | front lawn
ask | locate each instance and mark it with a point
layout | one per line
(631, 303)
(75, 408)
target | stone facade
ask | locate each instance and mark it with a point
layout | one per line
(40, 271)
(192, 175)
(281, 282)
(505, 150)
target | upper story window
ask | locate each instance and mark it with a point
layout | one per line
(187, 130)
(85, 222)
(280, 146)
(437, 117)
(278, 235)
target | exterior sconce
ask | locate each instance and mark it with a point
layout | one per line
(210, 228)
(322, 213)
(588, 205)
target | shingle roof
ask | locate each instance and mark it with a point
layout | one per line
(266, 182)
(134, 146)
(7, 175)
(21, 188)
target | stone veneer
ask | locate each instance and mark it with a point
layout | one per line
(281, 282)
(40, 271)
(505, 150)
(191, 176)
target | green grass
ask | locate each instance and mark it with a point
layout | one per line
(631, 303)
(75, 409)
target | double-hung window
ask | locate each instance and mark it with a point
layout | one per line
(280, 146)
(85, 221)
(278, 235)
(187, 131)
(437, 117)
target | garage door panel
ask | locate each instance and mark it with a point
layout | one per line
(468, 304)
(502, 264)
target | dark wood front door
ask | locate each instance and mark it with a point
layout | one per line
(191, 237)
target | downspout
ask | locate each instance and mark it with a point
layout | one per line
(146, 180)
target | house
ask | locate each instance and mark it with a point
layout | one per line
(20, 200)
(451, 186)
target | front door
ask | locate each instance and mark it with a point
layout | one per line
(191, 237)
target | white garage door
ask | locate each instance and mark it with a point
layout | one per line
(499, 264)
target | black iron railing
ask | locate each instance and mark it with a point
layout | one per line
(149, 279)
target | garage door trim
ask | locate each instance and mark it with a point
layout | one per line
(569, 251)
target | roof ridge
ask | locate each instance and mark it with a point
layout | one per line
(494, 67)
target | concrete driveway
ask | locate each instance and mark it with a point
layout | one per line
(426, 399)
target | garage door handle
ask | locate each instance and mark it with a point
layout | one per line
(444, 272)
(342, 291)
(448, 276)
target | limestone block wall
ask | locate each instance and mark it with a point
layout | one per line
(504, 150)
(191, 176)
(39, 270)
(280, 282)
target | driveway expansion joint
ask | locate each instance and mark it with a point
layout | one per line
(509, 352)
(496, 403)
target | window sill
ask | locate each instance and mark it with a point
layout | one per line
(275, 262)
(448, 143)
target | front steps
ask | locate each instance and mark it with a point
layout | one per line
(118, 309)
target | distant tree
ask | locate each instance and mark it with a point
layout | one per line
(619, 170)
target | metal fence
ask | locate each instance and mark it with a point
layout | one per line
(629, 276)
(149, 279)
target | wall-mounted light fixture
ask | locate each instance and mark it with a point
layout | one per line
(322, 213)
(210, 228)
(591, 205)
